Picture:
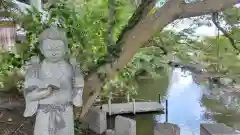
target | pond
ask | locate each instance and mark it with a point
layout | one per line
(185, 104)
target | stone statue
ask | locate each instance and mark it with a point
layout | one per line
(53, 86)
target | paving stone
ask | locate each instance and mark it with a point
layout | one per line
(96, 120)
(216, 129)
(125, 126)
(166, 129)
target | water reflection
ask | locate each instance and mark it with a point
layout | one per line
(184, 108)
(188, 104)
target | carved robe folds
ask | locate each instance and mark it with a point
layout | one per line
(54, 110)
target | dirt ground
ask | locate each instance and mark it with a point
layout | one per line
(12, 122)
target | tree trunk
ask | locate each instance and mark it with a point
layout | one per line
(142, 27)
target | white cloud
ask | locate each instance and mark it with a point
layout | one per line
(201, 31)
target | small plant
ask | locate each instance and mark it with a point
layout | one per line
(78, 128)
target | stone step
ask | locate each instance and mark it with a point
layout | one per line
(166, 129)
(216, 129)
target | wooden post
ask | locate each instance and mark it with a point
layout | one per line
(159, 98)
(109, 103)
(166, 111)
(134, 107)
(128, 97)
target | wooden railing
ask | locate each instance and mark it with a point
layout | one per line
(126, 98)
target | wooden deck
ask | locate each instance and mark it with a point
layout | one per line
(139, 107)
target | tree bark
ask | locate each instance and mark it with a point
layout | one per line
(142, 30)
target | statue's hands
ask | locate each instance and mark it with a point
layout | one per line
(38, 94)
(46, 92)
(53, 87)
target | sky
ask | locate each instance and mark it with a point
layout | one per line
(200, 31)
(185, 112)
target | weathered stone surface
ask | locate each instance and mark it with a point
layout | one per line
(125, 126)
(51, 84)
(110, 132)
(166, 129)
(121, 108)
(216, 129)
(96, 120)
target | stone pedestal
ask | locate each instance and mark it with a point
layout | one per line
(125, 126)
(96, 120)
(216, 129)
(166, 129)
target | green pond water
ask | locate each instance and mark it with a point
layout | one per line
(187, 106)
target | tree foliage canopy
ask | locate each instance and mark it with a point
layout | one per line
(105, 40)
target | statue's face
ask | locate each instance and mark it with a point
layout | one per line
(53, 50)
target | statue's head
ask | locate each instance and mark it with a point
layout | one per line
(53, 44)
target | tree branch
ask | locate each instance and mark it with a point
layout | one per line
(140, 29)
(153, 42)
(195, 70)
(206, 7)
(111, 22)
(225, 33)
(93, 83)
